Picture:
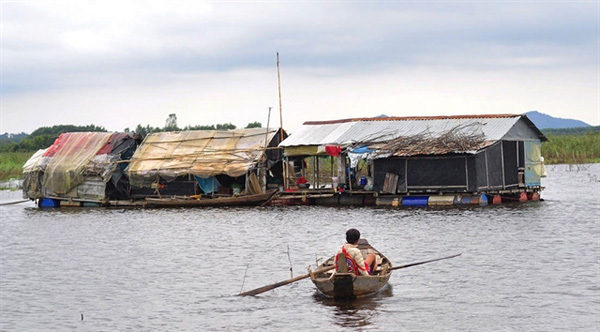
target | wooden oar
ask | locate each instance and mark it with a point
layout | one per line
(325, 269)
(17, 202)
(282, 283)
(419, 263)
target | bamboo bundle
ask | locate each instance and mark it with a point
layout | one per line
(459, 139)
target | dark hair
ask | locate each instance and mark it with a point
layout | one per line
(352, 235)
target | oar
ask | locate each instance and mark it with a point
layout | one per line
(282, 283)
(17, 202)
(325, 269)
(419, 263)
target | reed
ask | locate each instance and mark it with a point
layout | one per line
(11, 164)
(572, 149)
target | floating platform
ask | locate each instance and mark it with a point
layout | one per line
(325, 198)
(370, 198)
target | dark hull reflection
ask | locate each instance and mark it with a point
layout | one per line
(354, 312)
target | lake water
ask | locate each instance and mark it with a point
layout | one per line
(524, 267)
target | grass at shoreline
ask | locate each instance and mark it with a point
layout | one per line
(572, 149)
(11, 164)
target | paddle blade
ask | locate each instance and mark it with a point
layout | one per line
(281, 283)
(273, 286)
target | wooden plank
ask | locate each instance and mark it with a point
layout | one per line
(390, 185)
(394, 179)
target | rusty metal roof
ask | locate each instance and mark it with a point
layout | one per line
(362, 130)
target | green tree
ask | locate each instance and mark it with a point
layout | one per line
(171, 123)
(59, 129)
(220, 126)
(200, 127)
(254, 124)
(43, 137)
(146, 130)
(225, 126)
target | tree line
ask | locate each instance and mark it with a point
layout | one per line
(43, 137)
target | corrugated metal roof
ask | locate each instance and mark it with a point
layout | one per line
(415, 118)
(383, 129)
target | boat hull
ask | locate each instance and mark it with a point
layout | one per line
(348, 285)
(247, 200)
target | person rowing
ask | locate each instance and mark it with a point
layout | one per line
(357, 264)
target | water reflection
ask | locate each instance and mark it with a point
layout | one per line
(354, 313)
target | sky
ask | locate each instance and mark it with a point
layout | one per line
(123, 63)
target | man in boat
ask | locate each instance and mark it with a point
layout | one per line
(357, 264)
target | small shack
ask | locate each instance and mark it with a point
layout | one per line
(79, 167)
(471, 154)
(207, 163)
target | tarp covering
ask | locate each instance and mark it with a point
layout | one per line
(33, 163)
(32, 177)
(309, 150)
(75, 158)
(71, 155)
(208, 185)
(201, 153)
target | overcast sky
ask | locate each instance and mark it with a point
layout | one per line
(123, 63)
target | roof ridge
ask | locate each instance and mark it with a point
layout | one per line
(413, 118)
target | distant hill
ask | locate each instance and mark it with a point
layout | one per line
(543, 121)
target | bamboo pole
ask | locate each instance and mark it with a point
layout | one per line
(279, 88)
(266, 158)
(285, 166)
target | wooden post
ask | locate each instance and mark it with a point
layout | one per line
(341, 166)
(332, 173)
(502, 157)
(318, 171)
(285, 172)
(247, 183)
(315, 169)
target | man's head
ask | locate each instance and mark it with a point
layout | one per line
(352, 235)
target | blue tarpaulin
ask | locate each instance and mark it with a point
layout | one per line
(361, 150)
(208, 185)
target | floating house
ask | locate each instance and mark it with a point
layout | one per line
(206, 163)
(79, 167)
(421, 160)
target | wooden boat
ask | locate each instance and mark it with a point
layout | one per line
(347, 285)
(242, 200)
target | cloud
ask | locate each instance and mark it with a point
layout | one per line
(243, 96)
(53, 50)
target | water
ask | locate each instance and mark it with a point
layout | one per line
(524, 267)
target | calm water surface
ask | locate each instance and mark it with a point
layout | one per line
(524, 267)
